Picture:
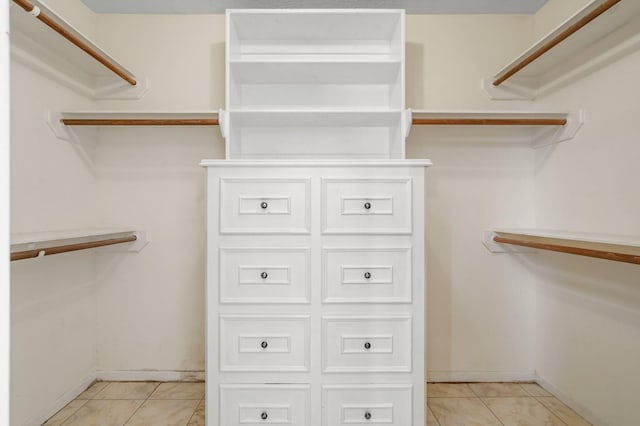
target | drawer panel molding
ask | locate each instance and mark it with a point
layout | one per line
(367, 206)
(347, 405)
(264, 275)
(242, 405)
(366, 275)
(264, 206)
(359, 344)
(264, 343)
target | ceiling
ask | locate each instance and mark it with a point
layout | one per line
(411, 6)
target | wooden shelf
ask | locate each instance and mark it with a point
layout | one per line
(597, 32)
(615, 248)
(45, 41)
(537, 128)
(487, 118)
(26, 246)
(62, 123)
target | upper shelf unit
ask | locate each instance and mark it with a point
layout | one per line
(43, 40)
(312, 83)
(599, 32)
(311, 34)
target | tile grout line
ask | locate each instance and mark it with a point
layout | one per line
(194, 412)
(550, 410)
(488, 408)
(136, 410)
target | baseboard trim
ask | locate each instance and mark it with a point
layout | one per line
(584, 411)
(481, 376)
(150, 376)
(43, 415)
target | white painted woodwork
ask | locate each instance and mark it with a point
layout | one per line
(315, 84)
(250, 205)
(366, 344)
(366, 206)
(264, 343)
(264, 275)
(366, 275)
(324, 323)
(346, 405)
(264, 404)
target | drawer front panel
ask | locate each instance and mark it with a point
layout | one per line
(348, 405)
(264, 206)
(264, 343)
(242, 405)
(264, 275)
(360, 275)
(366, 206)
(366, 344)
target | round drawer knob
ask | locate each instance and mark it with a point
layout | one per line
(367, 275)
(264, 275)
(264, 344)
(367, 345)
(367, 415)
(264, 415)
(367, 205)
(264, 205)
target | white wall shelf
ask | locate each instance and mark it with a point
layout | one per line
(63, 122)
(615, 248)
(26, 246)
(45, 41)
(315, 83)
(316, 134)
(537, 128)
(595, 35)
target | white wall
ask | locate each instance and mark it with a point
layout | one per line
(52, 303)
(474, 185)
(588, 316)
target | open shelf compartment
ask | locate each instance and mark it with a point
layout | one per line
(315, 134)
(313, 34)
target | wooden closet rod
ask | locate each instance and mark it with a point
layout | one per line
(556, 40)
(490, 121)
(600, 254)
(28, 254)
(139, 122)
(27, 6)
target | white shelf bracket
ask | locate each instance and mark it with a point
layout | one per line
(223, 121)
(493, 247)
(575, 120)
(509, 90)
(407, 117)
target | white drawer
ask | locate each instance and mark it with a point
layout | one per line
(349, 405)
(366, 206)
(264, 343)
(264, 275)
(366, 344)
(363, 275)
(264, 206)
(242, 405)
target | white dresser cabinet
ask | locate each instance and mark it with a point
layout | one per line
(314, 318)
(315, 239)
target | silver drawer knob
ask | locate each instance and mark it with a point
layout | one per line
(367, 275)
(264, 344)
(264, 205)
(264, 415)
(367, 345)
(264, 275)
(367, 205)
(367, 415)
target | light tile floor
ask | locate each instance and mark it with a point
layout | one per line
(182, 404)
